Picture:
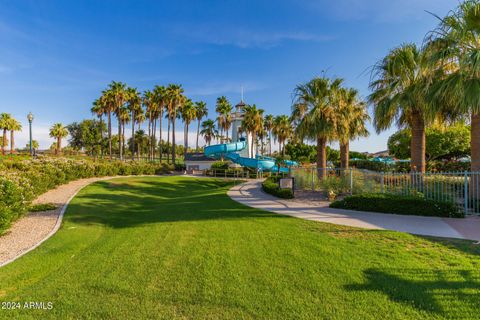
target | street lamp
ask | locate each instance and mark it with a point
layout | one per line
(30, 120)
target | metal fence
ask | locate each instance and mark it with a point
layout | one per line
(461, 188)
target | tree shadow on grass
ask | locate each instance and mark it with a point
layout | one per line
(122, 204)
(441, 292)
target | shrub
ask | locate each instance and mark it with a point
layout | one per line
(22, 180)
(42, 207)
(271, 186)
(223, 165)
(397, 204)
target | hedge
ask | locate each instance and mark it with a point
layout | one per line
(21, 181)
(398, 204)
(271, 186)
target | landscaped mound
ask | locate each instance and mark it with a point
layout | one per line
(22, 181)
(398, 204)
(271, 186)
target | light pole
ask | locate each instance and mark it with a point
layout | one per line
(30, 120)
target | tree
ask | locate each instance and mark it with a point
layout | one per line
(58, 131)
(253, 123)
(5, 119)
(320, 118)
(99, 110)
(134, 102)
(224, 109)
(106, 103)
(398, 85)
(352, 116)
(188, 114)
(86, 135)
(282, 130)
(160, 100)
(35, 145)
(208, 131)
(443, 142)
(149, 101)
(119, 97)
(13, 125)
(456, 49)
(175, 100)
(268, 126)
(201, 112)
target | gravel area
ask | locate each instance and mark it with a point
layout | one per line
(34, 228)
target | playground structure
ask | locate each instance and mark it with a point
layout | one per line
(242, 149)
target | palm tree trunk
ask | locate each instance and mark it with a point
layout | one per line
(270, 143)
(253, 143)
(149, 137)
(168, 140)
(418, 144)
(133, 135)
(110, 134)
(154, 140)
(173, 137)
(59, 145)
(4, 142)
(198, 133)
(321, 157)
(186, 141)
(123, 136)
(160, 118)
(475, 143)
(344, 155)
(101, 136)
(120, 139)
(12, 141)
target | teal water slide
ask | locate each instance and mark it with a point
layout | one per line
(229, 151)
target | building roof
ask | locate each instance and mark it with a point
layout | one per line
(198, 156)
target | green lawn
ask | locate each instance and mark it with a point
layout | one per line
(173, 247)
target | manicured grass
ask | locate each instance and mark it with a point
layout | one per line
(173, 247)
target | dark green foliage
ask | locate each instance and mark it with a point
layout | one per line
(271, 186)
(397, 204)
(42, 207)
(223, 165)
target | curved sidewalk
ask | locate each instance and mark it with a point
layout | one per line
(250, 194)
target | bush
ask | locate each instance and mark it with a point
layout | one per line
(21, 180)
(270, 186)
(397, 204)
(42, 207)
(222, 165)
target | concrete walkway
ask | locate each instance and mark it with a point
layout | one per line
(250, 194)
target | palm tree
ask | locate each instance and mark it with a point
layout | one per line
(319, 120)
(135, 107)
(106, 104)
(176, 100)
(398, 86)
(352, 117)
(268, 126)
(5, 119)
(13, 125)
(58, 131)
(282, 130)
(298, 112)
(224, 109)
(201, 112)
(148, 100)
(124, 116)
(98, 109)
(119, 97)
(208, 130)
(455, 45)
(253, 123)
(160, 99)
(188, 114)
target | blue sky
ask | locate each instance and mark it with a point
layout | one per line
(57, 56)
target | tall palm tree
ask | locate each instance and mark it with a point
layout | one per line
(282, 130)
(253, 123)
(352, 117)
(160, 98)
(119, 96)
(106, 103)
(58, 131)
(176, 100)
(13, 125)
(456, 46)
(298, 112)
(5, 119)
(148, 100)
(201, 112)
(188, 114)
(98, 109)
(224, 110)
(319, 120)
(125, 118)
(399, 86)
(135, 107)
(208, 131)
(268, 126)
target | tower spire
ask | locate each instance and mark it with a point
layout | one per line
(241, 88)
